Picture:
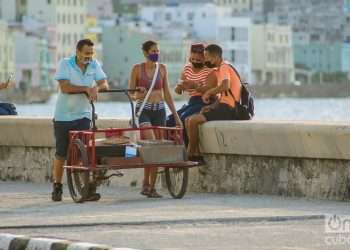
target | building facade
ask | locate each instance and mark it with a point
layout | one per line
(68, 17)
(210, 24)
(34, 63)
(323, 57)
(7, 52)
(273, 58)
(122, 50)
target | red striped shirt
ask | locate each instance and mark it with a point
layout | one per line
(200, 77)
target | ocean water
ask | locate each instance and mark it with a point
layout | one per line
(322, 109)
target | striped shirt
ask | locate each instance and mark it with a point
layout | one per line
(199, 78)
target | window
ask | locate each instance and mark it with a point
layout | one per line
(68, 19)
(81, 19)
(233, 33)
(75, 18)
(168, 16)
(69, 38)
(233, 56)
(63, 18)
(48, 1)
(204, 15)
(58, 18)
(190, 16)
(126, 59)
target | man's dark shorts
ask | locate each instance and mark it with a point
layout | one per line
(220, 112)
(62, 129)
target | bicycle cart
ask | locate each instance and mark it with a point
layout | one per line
(95, 152)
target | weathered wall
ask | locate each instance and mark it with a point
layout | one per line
(313, 178)
(263, 157)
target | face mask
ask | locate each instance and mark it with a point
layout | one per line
(153, 57)
(209, 64)
(198, 65)
(87, 61)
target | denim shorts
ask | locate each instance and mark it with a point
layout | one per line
(61, 129)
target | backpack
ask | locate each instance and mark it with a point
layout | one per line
(245, 107)
(7, 109)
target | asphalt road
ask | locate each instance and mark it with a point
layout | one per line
(123, 218)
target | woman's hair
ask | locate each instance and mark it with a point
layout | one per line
(146, 46)
(197, 48)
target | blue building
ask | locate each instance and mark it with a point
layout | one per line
(323, 57)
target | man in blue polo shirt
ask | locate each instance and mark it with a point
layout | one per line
(76, 74)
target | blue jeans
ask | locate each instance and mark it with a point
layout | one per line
(194, 106)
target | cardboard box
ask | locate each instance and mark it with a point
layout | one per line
(162, 153)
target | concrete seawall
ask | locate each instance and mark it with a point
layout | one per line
(307, 159)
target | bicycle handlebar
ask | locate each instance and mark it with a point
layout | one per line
(125, 91)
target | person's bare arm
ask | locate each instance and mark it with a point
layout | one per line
(102, 85)
(132, 84)
(7, 84)
(3, 85)
(224, 86)
(180, 87)
(93, 91)
(211, 82)
(68, 88)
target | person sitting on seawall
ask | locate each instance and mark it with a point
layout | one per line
(153, 113)
(75, 74)
(195, 80)
(223, 108)
(7, 108)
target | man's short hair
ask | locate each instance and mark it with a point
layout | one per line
(84, 42)
(214, 49)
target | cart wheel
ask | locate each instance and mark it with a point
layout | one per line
(78, 180)
(176, 181)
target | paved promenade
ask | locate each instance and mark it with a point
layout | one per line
(123, 218)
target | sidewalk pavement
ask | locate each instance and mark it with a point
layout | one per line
(27, 206)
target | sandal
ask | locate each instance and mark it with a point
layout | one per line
(197, 158)
(153, 194)
(145, 190)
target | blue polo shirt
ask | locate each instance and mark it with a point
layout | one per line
(70, 107)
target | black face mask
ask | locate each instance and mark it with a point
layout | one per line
(209, 64)
(198, 65)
